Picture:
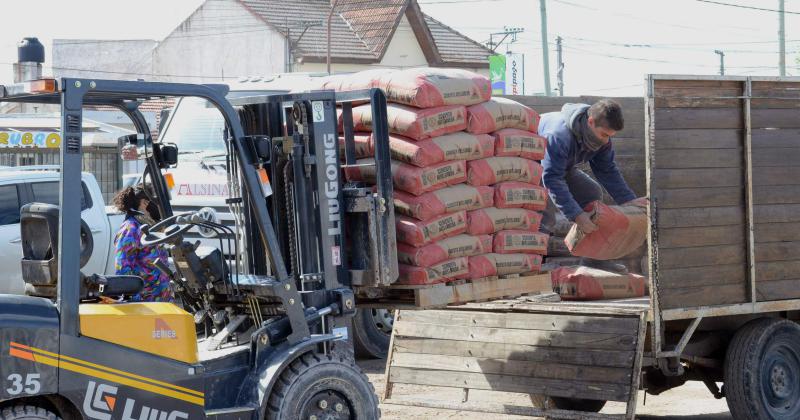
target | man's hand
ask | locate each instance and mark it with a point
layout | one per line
(585, 223)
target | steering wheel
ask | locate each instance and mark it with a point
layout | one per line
(165, 231)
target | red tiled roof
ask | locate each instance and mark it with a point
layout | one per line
(362, 29)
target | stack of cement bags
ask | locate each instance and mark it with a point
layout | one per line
(466, 174)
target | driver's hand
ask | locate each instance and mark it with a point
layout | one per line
(585, 224)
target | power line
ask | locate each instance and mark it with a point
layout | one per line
(668, 47)
(649, 60)
(645, 19)
(742, 6)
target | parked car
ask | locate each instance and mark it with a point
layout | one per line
(27, 184)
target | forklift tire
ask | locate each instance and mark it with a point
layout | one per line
(27, 412)
(572, 404)
(323, 387)
(762, 370)
(372, 331)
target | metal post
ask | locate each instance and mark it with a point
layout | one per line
(288, 66)
(545, 58)
(560, 74)
(781, 38)
(721, 62)
(330, 16)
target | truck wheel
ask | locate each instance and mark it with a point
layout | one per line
(27, 412)
(322, 387)
(762, 370)
(573, 404)
(372, 331)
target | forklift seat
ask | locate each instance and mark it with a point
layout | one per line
(39, 234)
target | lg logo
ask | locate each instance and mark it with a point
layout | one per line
(101, 400)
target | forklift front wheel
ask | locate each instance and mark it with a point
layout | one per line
(322, 387)
(27, 412)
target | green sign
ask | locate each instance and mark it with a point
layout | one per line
(497, 73)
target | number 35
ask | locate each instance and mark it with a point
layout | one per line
(30, 386)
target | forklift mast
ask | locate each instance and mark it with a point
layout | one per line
(333, 233)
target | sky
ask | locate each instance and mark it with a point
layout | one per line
(609, 46)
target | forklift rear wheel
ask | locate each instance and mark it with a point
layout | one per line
(318, 386)
(27, 412)
(372, 330)
(572, 404)
(762, 370)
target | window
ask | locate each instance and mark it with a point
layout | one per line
(9, 205)
(47, 192)
(196, 126)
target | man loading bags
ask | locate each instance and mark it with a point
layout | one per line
(581, 133)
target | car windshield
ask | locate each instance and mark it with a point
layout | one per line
(196, 126)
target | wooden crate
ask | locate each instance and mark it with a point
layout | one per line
(556, 350)
(459, 292)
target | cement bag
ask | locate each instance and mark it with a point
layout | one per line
(418, 233)
(353, 81)
(500, 113)
(492, 219)
(445, 249)
(513, 194)
(448, 270)
(428, 87)
(362, 143)
(446, 200)
(455, 146)
(621, 230)
(520, 242)
(490, 171)
(412, 179)
(414, 123)
(521, 143)
(503, 264)
(584, 283)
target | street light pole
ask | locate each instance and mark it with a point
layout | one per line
(721, 62)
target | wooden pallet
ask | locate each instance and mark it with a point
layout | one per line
(459, 292)
(570, 352)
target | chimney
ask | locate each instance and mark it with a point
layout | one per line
(30, 56)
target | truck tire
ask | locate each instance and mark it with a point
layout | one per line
(27, 412)
(573, 404)
(372, 331)
(762, 370)
(324, 386)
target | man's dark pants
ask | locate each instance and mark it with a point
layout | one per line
(583, 188)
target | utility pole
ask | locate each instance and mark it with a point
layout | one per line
(545, 58)
(560, 74)
(721, 62)
(781, 38)
(512, 32)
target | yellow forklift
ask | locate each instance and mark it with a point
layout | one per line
(263, 336)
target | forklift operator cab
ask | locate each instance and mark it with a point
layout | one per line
(247, 343)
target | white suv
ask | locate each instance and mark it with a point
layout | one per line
(27, 184)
